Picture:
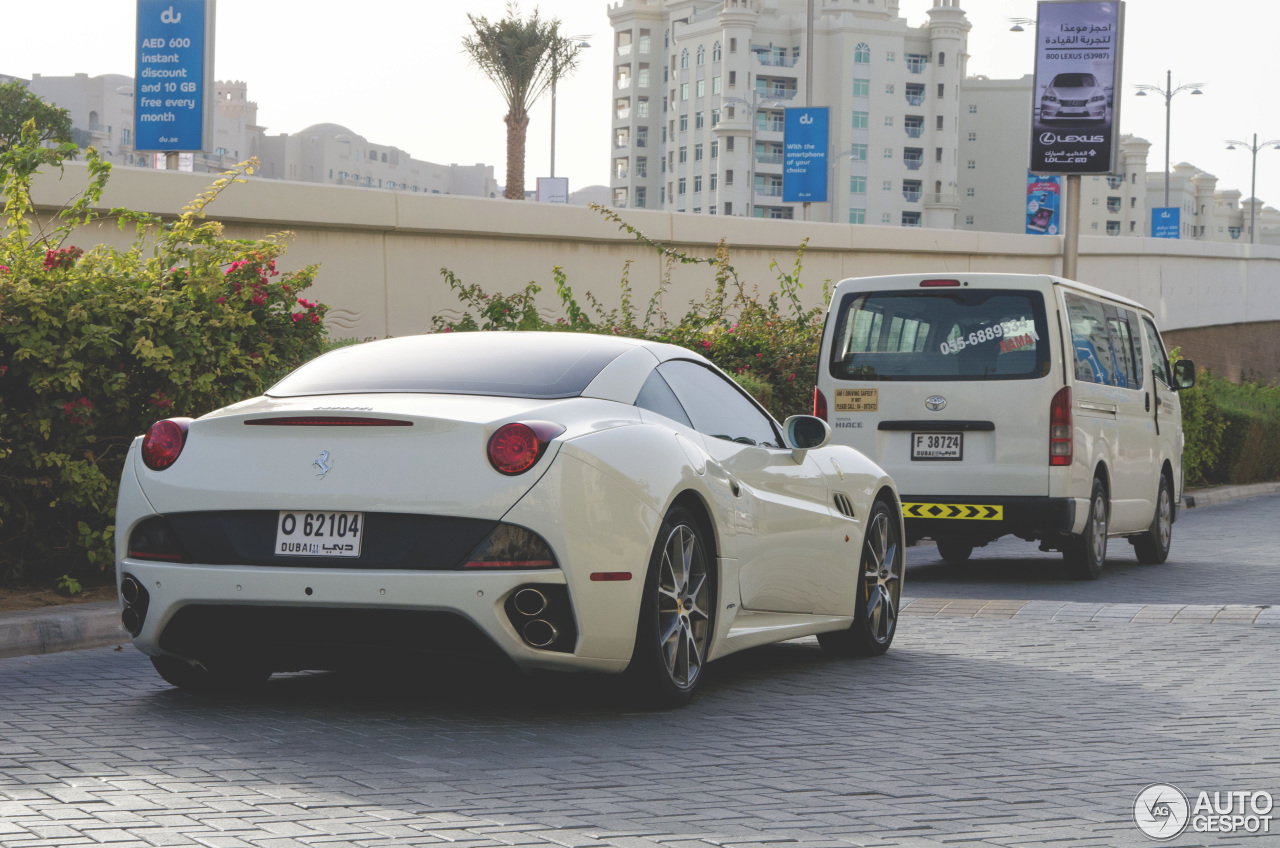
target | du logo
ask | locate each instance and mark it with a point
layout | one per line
(168, 16)
(1165, 215)
(806, 119)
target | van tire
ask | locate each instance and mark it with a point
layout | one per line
(1085, 554)
(953, 550)
(1152, 547)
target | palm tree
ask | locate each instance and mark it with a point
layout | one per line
(523, 58)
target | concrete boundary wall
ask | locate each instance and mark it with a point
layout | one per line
(381, 251)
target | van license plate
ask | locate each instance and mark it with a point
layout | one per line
(937, 446)
(319, 534)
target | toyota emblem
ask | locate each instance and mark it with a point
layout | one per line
(935, 403)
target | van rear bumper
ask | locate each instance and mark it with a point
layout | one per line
(970, 516)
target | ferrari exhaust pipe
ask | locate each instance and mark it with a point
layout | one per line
(540, 633)
(131, 620)
(130, 589)
(530, 602)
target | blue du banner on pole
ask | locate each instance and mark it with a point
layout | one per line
(804, 170)
(170, 86)
(1166, 222)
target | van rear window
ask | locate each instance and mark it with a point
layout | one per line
(941, 334)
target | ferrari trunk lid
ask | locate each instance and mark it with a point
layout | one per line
(373, 453)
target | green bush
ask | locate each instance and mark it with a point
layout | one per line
(1232, 431)
(769, 344)
(96, 344)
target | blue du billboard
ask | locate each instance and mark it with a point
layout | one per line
(804, 141)
(1166, 221)
(174, 71)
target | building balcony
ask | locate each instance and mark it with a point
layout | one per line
(769, 191)
(915, 132)
(622, 114)
(915, 99)
(770, 126)
(624, 83)
(624, 49)
(776, 93)
(934, 200)
(911, 196)
(769, 158)
(913, 164)
(773, 60)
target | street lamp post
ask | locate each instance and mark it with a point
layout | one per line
(1168, 91)
(555, 72)
(1253, 179)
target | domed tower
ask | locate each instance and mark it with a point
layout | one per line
(738, 21)
(948, 36)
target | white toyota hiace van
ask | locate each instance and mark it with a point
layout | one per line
(1010, 404)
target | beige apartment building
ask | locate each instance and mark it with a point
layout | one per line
(699, 93)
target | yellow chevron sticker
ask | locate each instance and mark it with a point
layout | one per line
(974, 512)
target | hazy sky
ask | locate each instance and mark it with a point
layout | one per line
(393, 71)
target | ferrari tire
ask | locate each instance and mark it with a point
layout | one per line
(880, 572)
(676, 613)
(217, 679)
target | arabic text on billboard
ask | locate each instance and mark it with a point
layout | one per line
(1075, 110)
(1166, 221)
(170, 85)
(804, 169)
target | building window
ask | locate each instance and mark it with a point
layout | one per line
(857, 216)
(890, 56)
(888, 120)
(643, 45)
(860, 120)
(914, 93)
(937, 154)
(942, 59)
(733, 76)
(1133, 203)
(973, 108)
(697, 183)
(857, 185)
(861, 88)
(642, 77)
(664, 133)
(941, 88)
(862, 54)
(1094, 225)
(968, 220)
(713, 186)
(715, 117)
(680, 185)
(715, 85)
(1113, 204)
(640, 196)
(684, 153)
(886, 218)
(702, 88)
(642, 107)
(916, 62)
(939, 122)
(888, 89)
(1113, 228)
(697, 121)
(1095, 201)
(728, 144)
(728, 179)
(858, 152)
(715, 57)
(684, 58)
(697, 153)
(728, 208)
(910, 219)
(663, 160)
(968, 192)
(1133, 225)
(887, 185)
(888, 153)
(973, 136)
(733, 48)
(620, 197)
(715, 148)
(684, 123)
(972, 164)
(684, 91)
(702, 55)
(642, 166)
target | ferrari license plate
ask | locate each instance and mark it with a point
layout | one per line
(319, 534)
(937, 445)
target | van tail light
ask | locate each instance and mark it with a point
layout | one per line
(1061, 436)
(933, 284)
(164, 442)
(819, 404)
(515, 447)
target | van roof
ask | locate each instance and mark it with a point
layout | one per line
(905, 281)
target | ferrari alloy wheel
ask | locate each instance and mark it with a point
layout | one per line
(674, 631)
(880, 570)
(219, 679)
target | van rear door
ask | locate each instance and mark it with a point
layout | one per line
(945, 383)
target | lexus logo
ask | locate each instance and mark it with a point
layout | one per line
(935, 403)
(1048, 138)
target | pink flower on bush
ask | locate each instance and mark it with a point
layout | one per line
(258, 299)
(64, 258)
(159, 400)
(297, 316)
(4, 369)
(706, 342)
(222, 300)
(791, 377)
(315, 319)
(759, 355)
(4, 269)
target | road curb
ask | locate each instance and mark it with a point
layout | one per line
(1223, 494)
(71, 627)
(1076, 612)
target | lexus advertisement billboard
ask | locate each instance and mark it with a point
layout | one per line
(1076, 100)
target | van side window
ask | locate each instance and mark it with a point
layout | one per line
(1091, 339)
(1135, 331)
(1122, 346)
(1159, 360)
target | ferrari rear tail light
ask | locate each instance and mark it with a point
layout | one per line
(819, 404)
(163, 443)
(933, 284)
(515, 447)
(511, 546)
(154, 539)
(1061, 437)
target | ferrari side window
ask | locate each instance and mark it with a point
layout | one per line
(656, 396)
(717, 407)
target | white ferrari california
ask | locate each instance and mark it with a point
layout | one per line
(570, 502)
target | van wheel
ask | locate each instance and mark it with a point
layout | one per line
(1152, 547)
(1086, 553)
(953, 550)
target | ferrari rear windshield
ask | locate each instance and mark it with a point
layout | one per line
(526, 365)
(941, 334)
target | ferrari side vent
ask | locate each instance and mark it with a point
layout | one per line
(328, 421)
(844, 504)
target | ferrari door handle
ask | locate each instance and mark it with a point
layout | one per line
(734, 487)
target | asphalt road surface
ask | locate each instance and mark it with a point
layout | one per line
(1223, 554)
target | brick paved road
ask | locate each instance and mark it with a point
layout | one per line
(1224, 554)
(976, 731)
